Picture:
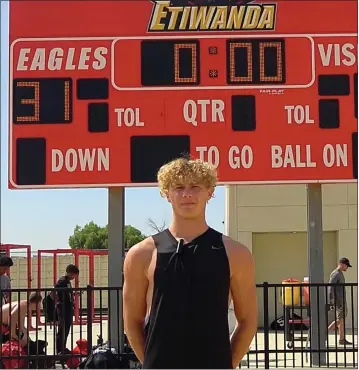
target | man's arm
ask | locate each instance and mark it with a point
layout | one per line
(21, 313)
(24, 310)
(334, 291)
(15, 320)
(135, 288)
(243, 292)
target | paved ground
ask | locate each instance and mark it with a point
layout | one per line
(276, 341)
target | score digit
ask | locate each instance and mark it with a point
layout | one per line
(188, 67)
(35, 117)
(271, 62)
(170, 63)
(254, 62)
(240, 62)
(42, 101)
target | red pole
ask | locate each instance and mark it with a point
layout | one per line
(29, 265)
(38, 311)
(29, 283)
(92, 281)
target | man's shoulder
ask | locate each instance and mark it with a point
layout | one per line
(144, 245)
(234, 244)
(335, 273)
(236, 251)
(4, 278)
(5, 281)
(142, 250)
(63, 278)
(62, 282)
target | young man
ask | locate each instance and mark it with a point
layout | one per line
(337, 298)
(178, 284)
(64, 301)
(12, 316)
(5, 264)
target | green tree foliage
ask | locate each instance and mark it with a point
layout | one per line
(93, 236)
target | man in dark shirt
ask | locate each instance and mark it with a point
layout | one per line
(337, 298)
(179, 283)
(5, 264)
(65, 306)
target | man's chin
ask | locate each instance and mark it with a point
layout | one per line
(189, 215)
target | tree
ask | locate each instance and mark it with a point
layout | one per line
(93, 236)
(132, 236)
(158, 228)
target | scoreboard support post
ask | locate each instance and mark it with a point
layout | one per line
(116, 247)
(316, 273)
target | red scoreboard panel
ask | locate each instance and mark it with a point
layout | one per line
(102, 93)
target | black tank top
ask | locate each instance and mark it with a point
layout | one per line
(188, 324)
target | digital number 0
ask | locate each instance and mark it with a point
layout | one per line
(232, 58)
(177, 64)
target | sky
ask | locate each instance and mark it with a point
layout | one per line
(46, 218)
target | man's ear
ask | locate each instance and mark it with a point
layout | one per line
(210, 193)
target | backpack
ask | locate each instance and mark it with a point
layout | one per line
(38, 348)
(104, 357)
(49, 308)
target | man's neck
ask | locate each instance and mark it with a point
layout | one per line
(188, 230)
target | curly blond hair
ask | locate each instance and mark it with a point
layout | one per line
(186, 171)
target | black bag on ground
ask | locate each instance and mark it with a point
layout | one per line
(104, 357)
(38, 348)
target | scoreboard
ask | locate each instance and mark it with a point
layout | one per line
(102, 93)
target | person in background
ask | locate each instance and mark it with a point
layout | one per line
(64, 301)
(13, 316)
(5, 264)
(337, 298)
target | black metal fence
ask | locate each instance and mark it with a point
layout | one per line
(293, 327)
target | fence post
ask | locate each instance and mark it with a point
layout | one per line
(89, 318)
(266, 325)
